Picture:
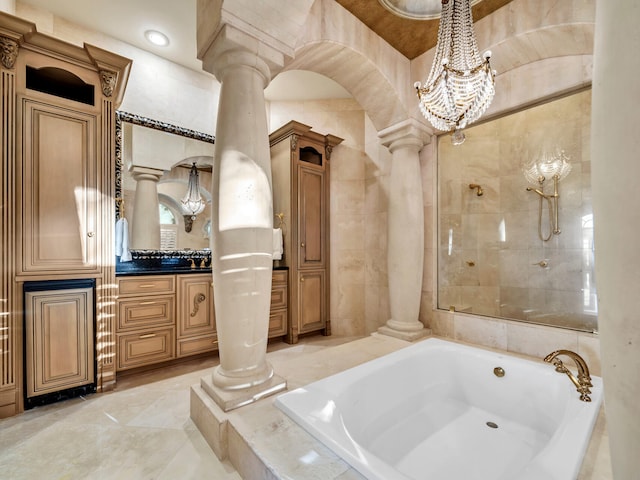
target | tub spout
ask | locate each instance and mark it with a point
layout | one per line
(583, 382)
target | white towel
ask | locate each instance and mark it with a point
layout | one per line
(122, 240)
(278, 248)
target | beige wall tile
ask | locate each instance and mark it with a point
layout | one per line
(539, 341)
(480, 331)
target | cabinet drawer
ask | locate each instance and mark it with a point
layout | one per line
(279, 277)
(277, 323)
(278, 296)
(146, 312)
(145, 348)
(151, 285)
(192, 346)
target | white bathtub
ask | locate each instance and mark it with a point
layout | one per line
(424, 413)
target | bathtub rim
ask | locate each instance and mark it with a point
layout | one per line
(550, 459)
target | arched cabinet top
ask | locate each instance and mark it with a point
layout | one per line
(18, 35)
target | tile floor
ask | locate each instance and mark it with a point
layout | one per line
(141, 430)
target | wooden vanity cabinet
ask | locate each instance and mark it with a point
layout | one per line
(57, 167)
(164, 317)
(145, 328)
(300, 165)
(195, 317)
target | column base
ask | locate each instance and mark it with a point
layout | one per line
(408, 335)
(231, 399)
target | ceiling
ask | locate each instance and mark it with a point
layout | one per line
(410, 37)
(127, 20)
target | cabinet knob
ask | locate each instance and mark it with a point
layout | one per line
(302, 279)
(90, 234)
(302, 244)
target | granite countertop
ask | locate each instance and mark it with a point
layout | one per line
(167, 265)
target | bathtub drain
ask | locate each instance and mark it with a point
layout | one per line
(492, 425)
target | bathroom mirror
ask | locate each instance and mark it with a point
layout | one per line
(169, 151)
(498, 254)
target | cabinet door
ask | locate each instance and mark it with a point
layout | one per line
(59, 189)
(311, 301)
(195, 306)
(311, 217)
(58, 340)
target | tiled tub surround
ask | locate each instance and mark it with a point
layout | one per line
(510, 418)
(263, 443)
(489, 251)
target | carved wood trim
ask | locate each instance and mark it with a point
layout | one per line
(108, 81)
(10, 344)
(8, 52)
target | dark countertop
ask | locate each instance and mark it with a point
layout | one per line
(133, 269)
(162, 271)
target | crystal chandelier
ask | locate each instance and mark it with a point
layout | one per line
(192, 202)
(460, 86)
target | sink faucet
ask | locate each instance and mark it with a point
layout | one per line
(583, 382)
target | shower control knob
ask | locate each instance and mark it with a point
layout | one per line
(90, 234)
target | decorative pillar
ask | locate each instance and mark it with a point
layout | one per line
(614, 178)
(242, 222)
(145, 224)
(405, 246)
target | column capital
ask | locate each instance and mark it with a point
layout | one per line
(233, 47)
(146, 173)
(408, 133)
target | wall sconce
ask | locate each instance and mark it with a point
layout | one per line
(192, 202)
(550, 165)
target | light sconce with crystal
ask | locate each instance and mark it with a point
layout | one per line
(192, 202)
(460, 86)
(553, 166)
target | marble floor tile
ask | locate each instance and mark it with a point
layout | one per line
(141, 430)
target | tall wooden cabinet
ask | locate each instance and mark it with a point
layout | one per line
(58, 104)
(300, 161)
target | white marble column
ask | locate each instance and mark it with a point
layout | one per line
(405, 246)
(614, 177)
(242, 217)
(145, 224)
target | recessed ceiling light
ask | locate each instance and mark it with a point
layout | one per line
(157, 38)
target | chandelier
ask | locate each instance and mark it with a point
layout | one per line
(460, 85)
(192, 202)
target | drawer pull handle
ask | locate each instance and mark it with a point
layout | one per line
(148, 335)
(147, 285)
(197, 300)
(147, 303)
